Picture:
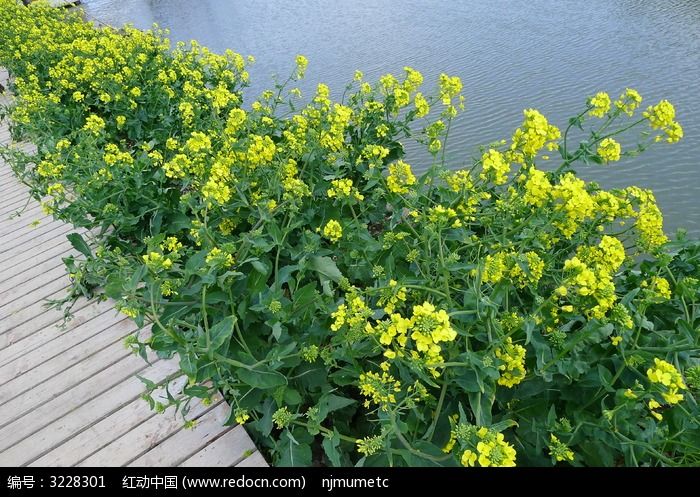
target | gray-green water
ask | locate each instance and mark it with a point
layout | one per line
(547, 54)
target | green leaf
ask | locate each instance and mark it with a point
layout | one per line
(327, 267)
(292, 453)
(259, 266)
(178, 222)
(156, 223)
(330, 447)
(277, 330)
(265, 423)
(188, 364)
(292, 397)
(332, 402)
(221, 332)
(503, 425)
(261, 378)
(113, 287)
(196, 261)
(135, 279)
(304, 296)
(197, 391)
(481, 404)
(605, 377)
(79, 244)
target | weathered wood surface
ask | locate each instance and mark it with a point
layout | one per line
(69, 395)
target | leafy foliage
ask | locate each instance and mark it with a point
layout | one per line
(351, 312)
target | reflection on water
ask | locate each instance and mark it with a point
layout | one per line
(547, 54)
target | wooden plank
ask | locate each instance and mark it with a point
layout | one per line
(7, 172)
(63, 382)
(23, 224)
(11, 191)
(102, 433)
(65, 361)
(12, 240)
(25, 147)
(10, 183)
(227, 450)
(33, 272)
(179, 447)
(44, 242)
(9, 296)
(42, 318)
(25, 394)
(40, 247)
(22, 427)
(16, 209)
(142, 438)
(10, 224)
(48, 333)
(33, 394)
(21, 312)
(85, 415)
(30, 284)
(57, 251)
(68, 395)
(24, 229)
(36, 241)
(11, 195)
(10, 205)
(255, 460)
(50, 350)
(36, 295)
(6, 168)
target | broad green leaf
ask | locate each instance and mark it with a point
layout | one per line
(330, 447)
(293, 453)
(327, 267)
(79, 244)
(261, 378)
(332, 402)
(220, 333)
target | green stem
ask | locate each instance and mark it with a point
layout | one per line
(436, 415)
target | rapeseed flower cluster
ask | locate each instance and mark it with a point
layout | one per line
(532, 136)
(609, 150)
(481, 446)
(600, 104)
(344, 189)
(662, 116)
(590, 272)
(522, 269)
(512, 367)
(669, 379)
(219, 257)
(400, 177)
(333, 230)
(494, 167)
(659, 287)
(629, 101)
(379, 389)
(157, 262)
(353, 314)
(461, 274)
(559, 450)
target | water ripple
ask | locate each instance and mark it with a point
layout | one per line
(548, 54)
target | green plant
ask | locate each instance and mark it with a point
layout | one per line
(350, 311)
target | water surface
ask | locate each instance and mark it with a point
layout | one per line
(546, 54)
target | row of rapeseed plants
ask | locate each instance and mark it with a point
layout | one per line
(488, 312)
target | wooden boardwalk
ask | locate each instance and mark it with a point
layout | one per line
(70, 397)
